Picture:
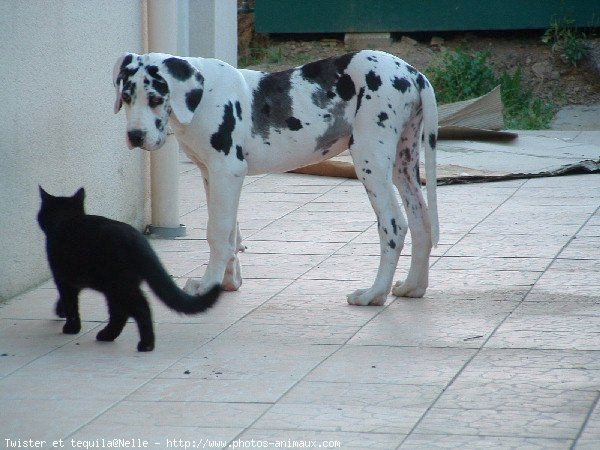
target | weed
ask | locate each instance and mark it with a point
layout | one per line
(461, 76)
(261, 55)
(564, 37)
(521, 109)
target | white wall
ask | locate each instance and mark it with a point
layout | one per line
(57, 124)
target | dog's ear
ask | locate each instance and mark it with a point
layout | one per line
(119, 72)
(186, 86)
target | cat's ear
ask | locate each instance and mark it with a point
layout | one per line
(43, 194)
(80, 195)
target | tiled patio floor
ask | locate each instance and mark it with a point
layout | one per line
(503, 352)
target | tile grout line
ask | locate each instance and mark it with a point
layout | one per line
(117, 402)
(585, 422)
(340, 346)
(478, 350)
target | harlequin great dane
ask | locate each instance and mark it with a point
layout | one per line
(234, 123)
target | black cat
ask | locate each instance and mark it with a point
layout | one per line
(86, 251)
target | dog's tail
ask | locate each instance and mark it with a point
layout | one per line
(430, 133)
(165, 288)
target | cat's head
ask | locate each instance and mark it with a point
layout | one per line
(55, 207)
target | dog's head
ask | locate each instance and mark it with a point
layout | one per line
(151, 87)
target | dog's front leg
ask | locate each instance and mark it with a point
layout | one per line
(223, 196)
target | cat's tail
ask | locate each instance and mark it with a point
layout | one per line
(175, 298)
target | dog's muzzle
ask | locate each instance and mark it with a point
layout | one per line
(136, 138)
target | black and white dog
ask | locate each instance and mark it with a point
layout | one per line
(234, 123)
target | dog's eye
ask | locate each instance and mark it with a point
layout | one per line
(154, 101)
(126, 97)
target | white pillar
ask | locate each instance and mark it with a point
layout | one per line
(164, 163)
(213, 29)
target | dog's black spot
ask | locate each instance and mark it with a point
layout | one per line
(238, 110)
(159, 124)
(401, 84)
(392, 244)
(129, 86)
(312, 70)
(293, 123)
(421, 82)
(271, 103)
(394, 227)
(405, 155)
(368, 171)
(179, 69)
(126, 72)
(373, 80)
(368, 97)
(239, 152)
(192, 99)
(341, 62)
(432, 140)
(411, 69)
(337, 129)
(345, 87)
(158, 83)
(153, 72)
(160, 86)
(221, 140)
(382, 118)
(126, 61)
(328, 75)
(361, 92)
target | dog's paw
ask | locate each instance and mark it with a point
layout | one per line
(193, 287)
(364, 297)
(232, 280)
(401, 289)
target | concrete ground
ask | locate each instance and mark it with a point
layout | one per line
(503, 351)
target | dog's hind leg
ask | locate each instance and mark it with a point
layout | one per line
(232, 280)
(406, 178)
(374, 170)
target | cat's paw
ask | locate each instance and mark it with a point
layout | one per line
(105, 336)
(145, 346)
(60, 309)
(72, 326)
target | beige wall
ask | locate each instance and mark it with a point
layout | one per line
(57, 123)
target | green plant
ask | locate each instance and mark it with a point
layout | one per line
(564, 37)
(460, 76)
(521, 109)
(261, 55)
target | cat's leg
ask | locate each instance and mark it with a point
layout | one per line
(140, 311)
(116, 322)
(68, 304)
(60, 309)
